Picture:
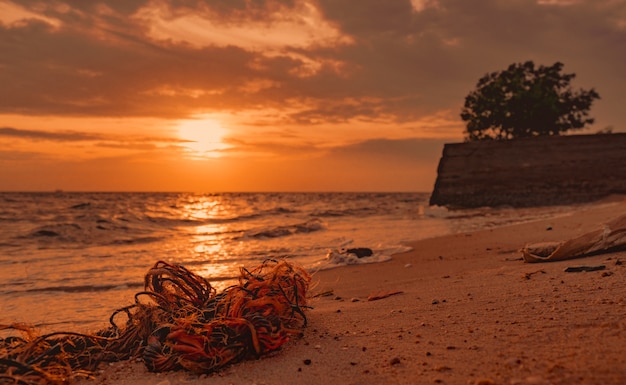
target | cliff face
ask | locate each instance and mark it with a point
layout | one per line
(527, 172)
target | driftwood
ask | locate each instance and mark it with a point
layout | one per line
(611, 236)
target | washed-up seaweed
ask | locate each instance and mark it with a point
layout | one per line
(178, 322)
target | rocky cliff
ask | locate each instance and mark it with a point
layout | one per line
(536, 171)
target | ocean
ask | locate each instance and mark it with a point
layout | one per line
(68, 260)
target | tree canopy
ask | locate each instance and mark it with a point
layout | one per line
(525, 101)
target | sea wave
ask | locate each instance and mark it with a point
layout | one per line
(282, 231)
(62, 231)
(98, 232)
(77, 288)
(136, 240)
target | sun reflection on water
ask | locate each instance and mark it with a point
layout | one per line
(208, 251)
(203, 207)
(205, 240)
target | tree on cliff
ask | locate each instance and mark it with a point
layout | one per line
(525, 101)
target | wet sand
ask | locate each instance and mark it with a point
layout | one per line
(469, 311)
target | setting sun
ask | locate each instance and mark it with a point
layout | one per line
(203, 137)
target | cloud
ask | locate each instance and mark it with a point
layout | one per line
(14, 16)
(319, 62)
(21, 156)
(372, 165)
(398, 151)
(78, 136)
(22, 144)
(65, 136)
(262, 26)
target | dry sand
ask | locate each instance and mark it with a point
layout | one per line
(470, 312)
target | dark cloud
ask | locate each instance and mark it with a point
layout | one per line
(402, 64)
(21, 156)
(398, 151)
(370, 19)
(62, 72)
(65, 136)
(128, 142)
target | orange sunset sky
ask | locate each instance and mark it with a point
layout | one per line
(254, 95)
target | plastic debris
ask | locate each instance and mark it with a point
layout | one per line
(611, 236)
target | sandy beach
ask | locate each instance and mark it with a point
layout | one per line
(466, 310)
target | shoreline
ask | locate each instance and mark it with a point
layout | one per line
(469, 312)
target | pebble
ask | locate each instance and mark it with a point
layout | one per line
(530, 380)
(513, 362)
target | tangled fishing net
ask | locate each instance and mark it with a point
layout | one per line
(178, 322)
